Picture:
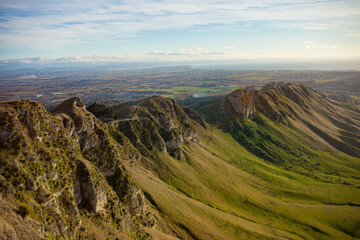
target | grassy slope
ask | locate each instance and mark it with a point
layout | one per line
(262, 179)
(224, 192)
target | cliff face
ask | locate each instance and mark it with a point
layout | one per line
(274, 100)
(294, 105)
(59, 170)
(238, 104)
(157, 123)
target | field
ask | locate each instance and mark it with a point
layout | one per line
(50, 87)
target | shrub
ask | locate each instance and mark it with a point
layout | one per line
(23, 210)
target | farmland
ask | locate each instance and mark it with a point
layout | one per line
(51, 86)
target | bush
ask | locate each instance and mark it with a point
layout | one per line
(23, 210)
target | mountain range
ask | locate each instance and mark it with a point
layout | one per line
(280, 162)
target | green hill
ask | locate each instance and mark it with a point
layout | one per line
(277, 163)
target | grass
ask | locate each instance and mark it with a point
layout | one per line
(259, 179)
(225, 192)
(194, 89)
(228, 189)
(184, 91)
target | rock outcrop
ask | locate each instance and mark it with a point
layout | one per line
(157, 123)
(195, 116)
(238, 104)
(66, 167)
(274, 100)
(294, 105)
(89, 190)
(143, 134)
(104, 151)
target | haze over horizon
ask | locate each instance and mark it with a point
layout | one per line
(179, 31)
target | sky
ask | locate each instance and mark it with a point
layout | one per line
(171, 30)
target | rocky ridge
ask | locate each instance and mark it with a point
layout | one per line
(274, 100)
(64, 169)
(158, 123)
(59, 170)
(67, 174)
(294, 105)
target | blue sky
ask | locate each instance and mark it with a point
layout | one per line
(187, 30)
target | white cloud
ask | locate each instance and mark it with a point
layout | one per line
(313, 44)
(331, 46)
(108, 19)
(194, 51)
(353, 34)
(309, 44)
(195, 54)
(230, 48)
(159, 52)
(75, 59)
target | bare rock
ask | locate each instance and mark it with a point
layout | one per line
(172, 139)
(135, 201)
(238, 104)
(178, 154)
(197, 117)
(88, 188)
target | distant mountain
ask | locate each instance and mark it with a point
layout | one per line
(275, 163)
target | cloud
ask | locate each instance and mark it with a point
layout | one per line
(331, 46)
(41, 59)
(354, 34)
(76, 59)
(230, 48)
(313, 44)
(309, 44)
(195, 51)
(73, 23)
(159, 53)
(45, 24)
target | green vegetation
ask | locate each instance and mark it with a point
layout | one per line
(234, 193)
(42, 163)
(100, 110)
(119, 86)
(229, 178)
(258, 178)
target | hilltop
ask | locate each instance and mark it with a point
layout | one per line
(319, 122)
(277, 162)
